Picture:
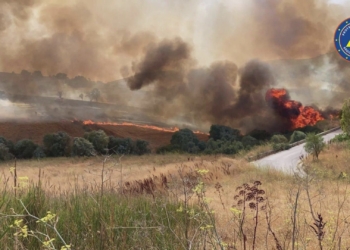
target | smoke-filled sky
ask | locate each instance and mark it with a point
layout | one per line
(99, 39)
(200, 59)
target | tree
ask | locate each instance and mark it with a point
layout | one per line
(185, 139)
(57, 144)
(224, 133)
(82, 147)
(99, 139)
(314, 144)
(279, 139)
(249, 141)
(120, 145)
(95, 94)
(24, 149)
(345, 117)
(140, 147)
(297, 136)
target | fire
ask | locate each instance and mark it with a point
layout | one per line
(172, 130)
(299, 115)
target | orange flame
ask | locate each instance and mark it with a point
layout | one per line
(172, 130)
(299, 115)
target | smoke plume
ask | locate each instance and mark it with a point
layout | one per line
(201, 62)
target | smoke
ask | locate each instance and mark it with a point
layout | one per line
(216, 70)
(163, 62)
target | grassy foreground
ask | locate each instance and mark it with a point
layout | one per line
(174, 202)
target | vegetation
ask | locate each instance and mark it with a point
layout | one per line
(99, 140)
(314, 144)
(24, 149)
(297, 136)
(82, 147)
(345, 118)
(57, 144)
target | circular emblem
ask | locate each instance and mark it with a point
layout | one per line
(342, 39)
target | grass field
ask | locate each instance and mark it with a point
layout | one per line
(176, 202)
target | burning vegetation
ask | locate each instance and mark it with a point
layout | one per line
(293, 111)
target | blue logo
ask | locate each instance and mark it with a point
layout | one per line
(342, 39)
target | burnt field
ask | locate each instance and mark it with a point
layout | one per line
(32, 117)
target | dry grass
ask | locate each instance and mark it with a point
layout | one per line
(327, 193)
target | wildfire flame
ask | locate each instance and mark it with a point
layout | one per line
(299, 115)
(172, 130)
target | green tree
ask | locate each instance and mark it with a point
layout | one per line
(249, 142)
(345, 117)
(120, 145)
(141, 147)
(24, 149)
(279, 139)
(185, 139)
(99, 139)
(314, 144)
(297, 136)
(56, 144)
(82, 147)
(224, 133)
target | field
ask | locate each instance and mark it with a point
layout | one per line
(17, 130)
(178, 202)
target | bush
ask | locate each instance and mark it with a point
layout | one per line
(99, 139)
(57, 144)
(223, 147)
(310, 129)
(141, 147)
(39, 153)
(24, 149)
(168, 149)
(297, 136)
(249, 142)
(9, 144)
(82, 147)
(314, 144)
(341, 138)
(260, 135)
(185, 139)
(281, 146)
(120, 145)
(5, 154)
(279, 139)
(224, 133)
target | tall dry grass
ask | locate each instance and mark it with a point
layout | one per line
(179, 202)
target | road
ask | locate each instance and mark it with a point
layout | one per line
(288, 160)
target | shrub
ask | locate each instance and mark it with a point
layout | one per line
(168, 149)
(297, 136)
(9, 144)
(24, 149)
(249, 142)
(314, 144)
(185, 139)
(120, 145)
(310, 129)
(57, 144)
(5, 153)
(141, 147)
(279, 139)
(224, 133)
(260, 135)
(82, 147)
(281, 146)
(341, 138)
(99, 139)
(345, 117)
(39, 153)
